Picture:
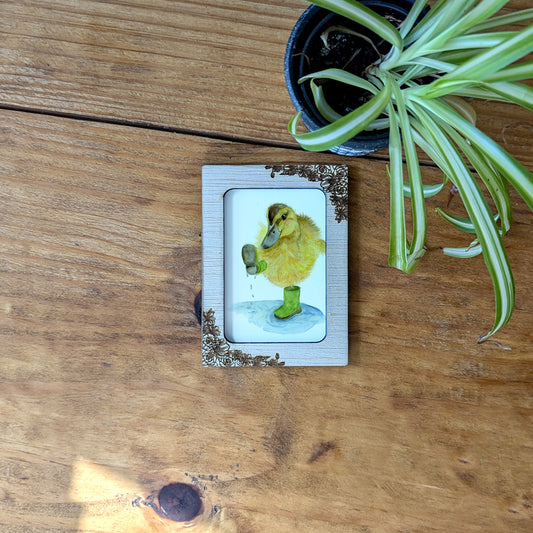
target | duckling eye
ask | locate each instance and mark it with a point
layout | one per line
(283, 217)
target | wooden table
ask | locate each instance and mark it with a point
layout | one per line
(108, 110)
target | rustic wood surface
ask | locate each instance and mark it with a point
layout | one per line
(103, 399)
(213, 68)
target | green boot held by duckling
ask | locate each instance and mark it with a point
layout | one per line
(291, 303)
(249, 257)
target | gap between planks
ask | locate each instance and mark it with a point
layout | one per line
(170, 129)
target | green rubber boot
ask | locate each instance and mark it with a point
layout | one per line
(291, 303)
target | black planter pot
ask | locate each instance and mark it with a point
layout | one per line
(302, 46)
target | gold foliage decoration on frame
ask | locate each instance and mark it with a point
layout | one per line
(217, 352)
(332, 178)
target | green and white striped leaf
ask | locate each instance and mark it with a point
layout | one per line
(455, 19)
(464, 253)
(517, 175)
(515, 72)
(342, 129)
(412, 16)
(322, 106)
(479, 213)
(440, 17)
(516, 93)
(363, 15)
(498, 187)
(523, 15)
(463, 224)
(427, 190)
(476, 40)
(397, 232)
(487, 62)
(338, 74)
(462, 107)
(416, 249)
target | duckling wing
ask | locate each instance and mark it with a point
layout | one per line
(308, 227)
(310, 235)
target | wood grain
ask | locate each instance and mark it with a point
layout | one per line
(103, 398)
(214, 68)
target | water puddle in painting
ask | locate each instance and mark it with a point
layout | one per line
(261, 314)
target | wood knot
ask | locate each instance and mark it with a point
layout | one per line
(178, 501)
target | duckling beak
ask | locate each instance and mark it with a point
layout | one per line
(271, 237)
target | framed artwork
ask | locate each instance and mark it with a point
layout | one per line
(274, 265)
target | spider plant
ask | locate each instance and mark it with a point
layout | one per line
(456, 50)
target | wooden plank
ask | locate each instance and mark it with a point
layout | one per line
(207, 67)
(187, 65)
(103, 398)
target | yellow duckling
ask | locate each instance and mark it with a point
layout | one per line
(286, 254)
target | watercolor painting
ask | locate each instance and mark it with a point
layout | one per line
(275, 272)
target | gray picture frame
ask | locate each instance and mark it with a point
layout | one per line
(332, 350)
